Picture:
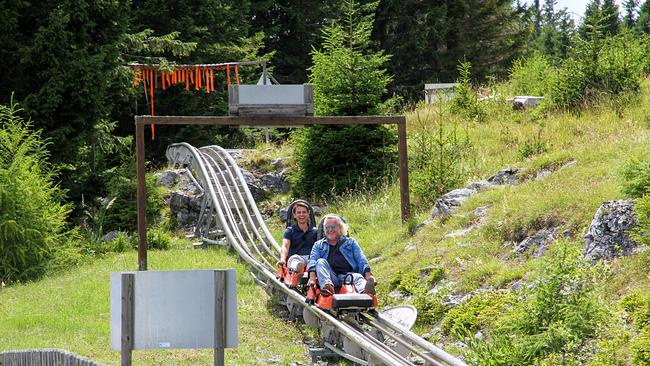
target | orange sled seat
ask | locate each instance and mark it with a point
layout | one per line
(291, 278)
(346, 299)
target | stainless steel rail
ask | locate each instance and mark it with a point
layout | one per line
(229, 209)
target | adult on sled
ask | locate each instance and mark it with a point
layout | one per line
(298, 239)
(335, 256)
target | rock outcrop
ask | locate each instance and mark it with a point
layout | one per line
(608, 235)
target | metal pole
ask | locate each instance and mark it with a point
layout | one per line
(403, 169)
(141, 200)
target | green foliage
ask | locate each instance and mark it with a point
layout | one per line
(636, 177)
(304, 20)
(476, 313)
(65, 67)
(636, 183)
(439, 157)
(145, 43)
(121, 214)
(406, 283)
(555, 316)
(430, 307)
(531, 76)
(348, 80)
(32, 219)
(641, 350)
(158, 238)
(534, 146)
(599, 67)
(435, 275)
(465, 101)
(341, 158)
(427, 38)
(637, 308)
(122, 243)
(552, 32)
(642, 210)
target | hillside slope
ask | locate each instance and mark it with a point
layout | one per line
(463, 273)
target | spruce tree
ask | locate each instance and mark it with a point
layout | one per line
(642, 25)
(611, 17)
(629, 20)
(349, 79)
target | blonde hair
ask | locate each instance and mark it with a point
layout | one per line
(342, 224)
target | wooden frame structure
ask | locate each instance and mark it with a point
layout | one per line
(258, 121)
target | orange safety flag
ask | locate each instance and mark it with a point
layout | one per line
(212, 79)
(237, 73)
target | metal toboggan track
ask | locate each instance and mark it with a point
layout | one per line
(230, 216)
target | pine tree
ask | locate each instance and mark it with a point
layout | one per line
(611, 17)
(349, 79)
(601, 17)
(642, 25)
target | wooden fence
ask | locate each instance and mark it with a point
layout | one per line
(44, 357)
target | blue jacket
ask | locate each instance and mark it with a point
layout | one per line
(350, 250)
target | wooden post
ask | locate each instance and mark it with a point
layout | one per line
(219, 317)
(403, 169)
(141, 198)
(127, 317)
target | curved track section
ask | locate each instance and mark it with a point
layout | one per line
(230, 216)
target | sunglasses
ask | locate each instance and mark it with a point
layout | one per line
(331, 227)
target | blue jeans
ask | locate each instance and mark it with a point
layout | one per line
(326, 275)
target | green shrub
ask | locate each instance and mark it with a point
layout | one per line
(32, 219)
(636, 177)
(435, 275)
(342, 158)
(465, 101)
(476, 313)
(349, 79)
(534, 146)
(439, 157)
(642, 210)
(599, 67)
(121, 213)
(531, 76)
(636, 183)
(641, 350)
(430, 307)
(406, 283)
(120, 244)
(158, 238)
(555, 316)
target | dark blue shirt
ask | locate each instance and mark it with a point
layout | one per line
(297, 236)
(337, 261)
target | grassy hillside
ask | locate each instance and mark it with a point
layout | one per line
(520, 308)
